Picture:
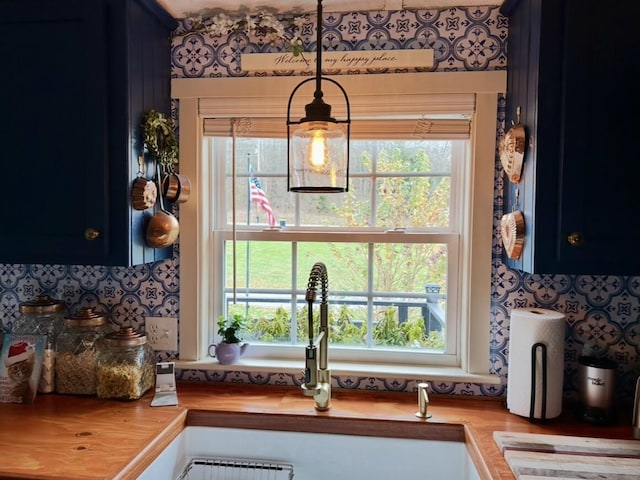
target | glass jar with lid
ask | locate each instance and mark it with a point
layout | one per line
(126, 364)
(43, 316)
(77, 349)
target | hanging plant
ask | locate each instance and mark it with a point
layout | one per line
(160, 139)
(276, 30)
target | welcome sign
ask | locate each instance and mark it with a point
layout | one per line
(251, 62)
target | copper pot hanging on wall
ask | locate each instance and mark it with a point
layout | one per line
(512, 233)
(144, 191)
(512, 148)
(176, 187)
(163, 227)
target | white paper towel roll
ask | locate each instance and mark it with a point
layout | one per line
(530, 326)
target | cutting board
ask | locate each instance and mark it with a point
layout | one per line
(538, 457)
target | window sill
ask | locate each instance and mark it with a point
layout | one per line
(430, 373)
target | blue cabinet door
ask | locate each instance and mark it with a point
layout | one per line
(599, 203)
(74, 96)
(52, 130)
(572, 66)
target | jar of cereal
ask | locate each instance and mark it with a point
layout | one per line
(43, 316)
(77, 349)
(125, 365)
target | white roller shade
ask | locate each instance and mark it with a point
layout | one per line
(404, 129)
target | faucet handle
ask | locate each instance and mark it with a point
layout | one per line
(311, 366)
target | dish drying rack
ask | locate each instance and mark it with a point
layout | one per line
(235, 469)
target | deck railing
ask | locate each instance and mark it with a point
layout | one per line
(430, 306)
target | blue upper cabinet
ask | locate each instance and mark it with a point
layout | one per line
(573, 70)
(77, 78)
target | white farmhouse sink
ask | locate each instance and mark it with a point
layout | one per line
(318, 455)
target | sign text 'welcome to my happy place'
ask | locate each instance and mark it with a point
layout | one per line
(252, 62)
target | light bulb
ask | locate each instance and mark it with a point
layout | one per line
(318, 151)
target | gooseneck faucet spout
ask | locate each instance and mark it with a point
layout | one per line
(317, 376)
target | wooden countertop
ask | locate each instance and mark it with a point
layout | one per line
(77, 438)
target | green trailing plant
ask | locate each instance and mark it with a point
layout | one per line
(283, 29)
(230, 329)
(160, 139)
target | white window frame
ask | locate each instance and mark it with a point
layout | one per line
(434, 92)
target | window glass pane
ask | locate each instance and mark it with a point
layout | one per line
(252, 213)
(346, 264)
(413, 183)
(360, 157)
(382, 295)
(261, 158)
(406, 327)
(263, 289)
(410, 307)
(268, 318)
(405, 202)
(407, 298)
(412, 179)
(260, 155)
(259, 265)
(407, 268)
(348, 323)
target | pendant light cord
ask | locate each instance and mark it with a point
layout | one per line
(233, 208)
(245, 127)
(318, 93)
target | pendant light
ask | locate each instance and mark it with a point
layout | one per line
(318, 146)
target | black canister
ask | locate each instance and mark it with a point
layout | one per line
(596, 386)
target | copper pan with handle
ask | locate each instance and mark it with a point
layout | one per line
(163, 227)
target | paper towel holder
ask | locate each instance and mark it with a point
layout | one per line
(532, 407)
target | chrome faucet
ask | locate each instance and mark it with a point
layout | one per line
(636, 411)
(317, 376)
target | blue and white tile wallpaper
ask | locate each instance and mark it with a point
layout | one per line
(600, 309)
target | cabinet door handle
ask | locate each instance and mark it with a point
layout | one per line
(91, 234)
(575, 239)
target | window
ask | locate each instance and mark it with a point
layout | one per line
(407, 249)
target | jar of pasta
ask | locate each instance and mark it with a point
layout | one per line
(77, 349)
(43, 316)
(125, 367)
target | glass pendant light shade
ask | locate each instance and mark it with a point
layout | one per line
(318, 158)
(318, 144)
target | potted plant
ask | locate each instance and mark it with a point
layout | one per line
(230, 349)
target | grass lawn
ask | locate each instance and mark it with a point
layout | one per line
(273, 261)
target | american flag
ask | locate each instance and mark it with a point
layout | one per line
(258, 196)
